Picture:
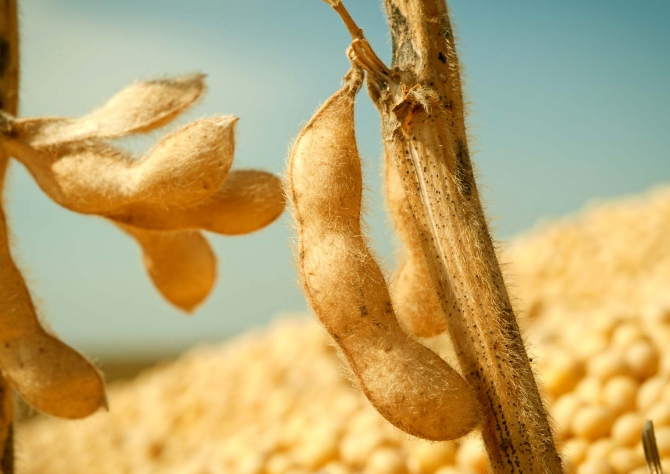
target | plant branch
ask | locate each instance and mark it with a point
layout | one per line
(9, 87)
(360, 52)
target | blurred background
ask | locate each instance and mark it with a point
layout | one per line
(569, 104)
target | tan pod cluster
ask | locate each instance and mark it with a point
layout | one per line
(181, 186)
(407, 383)
(162, 200)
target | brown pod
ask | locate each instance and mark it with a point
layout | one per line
(141, 107)
(91, 177)
(49, 375)
(407, 383)
(416, 302)
(181, 264)
(248, 200)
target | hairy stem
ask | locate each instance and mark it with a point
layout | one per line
(9, 97)
(424, 131)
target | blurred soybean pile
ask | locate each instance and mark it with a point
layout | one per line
(594, 290)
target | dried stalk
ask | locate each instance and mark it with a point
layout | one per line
(651, 449)
(424, 131)
(9, 100)
(423, 124)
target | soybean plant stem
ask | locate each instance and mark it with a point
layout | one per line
(424, 131)
(9, 87)
(423, 124)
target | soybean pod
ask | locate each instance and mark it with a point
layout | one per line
(417, 304)
(411, 386)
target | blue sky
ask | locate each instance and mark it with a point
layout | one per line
(569, 104)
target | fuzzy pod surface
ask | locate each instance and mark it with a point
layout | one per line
(246, 201)
(181, 264)
(92, 177)
(408, 384)
(48, 374)
(139, 108)
(414, 296)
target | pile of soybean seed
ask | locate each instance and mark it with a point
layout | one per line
(594, 292)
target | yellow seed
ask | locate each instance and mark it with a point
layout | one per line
(591, 345)
(575, 449)
(408, 384)
(429, 457)
(336, 468)
(600, 449)
(181, 264)
(569, 467)
(592, 422)
(595, 466)
(663, 440)
(278, 463)
(624, 460)
(251, 463)
(454, 470)
(355, 450)
(606, 365)
(563, 411)
(317, 450)
(627, 428)
(588, 389)
(625, 334)
(643, 359)
(385, 461)
(656, 313)
(619, 393)
(365, 421)
(471, 454)
(650, 392)
(562, 373)
(605, 324)
(659, 414)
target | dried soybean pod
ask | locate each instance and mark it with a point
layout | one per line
(141, 107)
(181, 264)
(414, 296)
(248, 200)
(48, 374)
(408, 384)
(51, 376)
(91, 177)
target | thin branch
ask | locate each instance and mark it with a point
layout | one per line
(651, 448)
(361, 52)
